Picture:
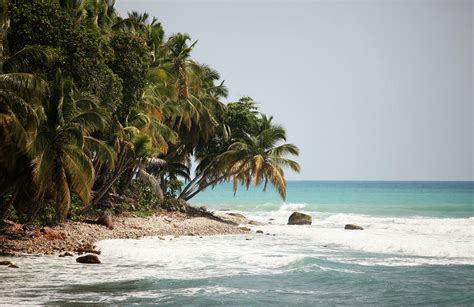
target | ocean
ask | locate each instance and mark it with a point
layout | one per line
(417, 247)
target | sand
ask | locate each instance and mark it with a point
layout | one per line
(79, 237)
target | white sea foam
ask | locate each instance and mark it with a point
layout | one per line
(322, 247)
(385, 241)
(450, 240)
(292, 207)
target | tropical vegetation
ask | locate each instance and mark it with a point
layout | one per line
(100, 111)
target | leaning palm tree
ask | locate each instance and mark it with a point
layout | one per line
(60, 163)
(258, 158)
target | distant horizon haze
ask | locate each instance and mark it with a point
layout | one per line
(368, 90)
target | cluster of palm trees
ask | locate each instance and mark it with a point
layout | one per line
(58, 139)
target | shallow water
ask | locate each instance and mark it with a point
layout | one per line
(425, 258)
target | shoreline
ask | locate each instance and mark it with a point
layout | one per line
(80, 237)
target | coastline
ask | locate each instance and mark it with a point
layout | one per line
(80, 237)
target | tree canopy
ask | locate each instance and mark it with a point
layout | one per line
(96, 107)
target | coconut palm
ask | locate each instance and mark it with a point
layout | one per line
(98, 14)
(258, 158)
(21, 95)
(60, 163)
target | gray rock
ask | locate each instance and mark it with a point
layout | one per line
(353, 227)
(297, 218)
(259, 231)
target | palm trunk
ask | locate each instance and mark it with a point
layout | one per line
(124, 162)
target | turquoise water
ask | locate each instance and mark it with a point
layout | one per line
(383, 198)
(417, 248)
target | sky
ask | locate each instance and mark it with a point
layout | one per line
(368, 90)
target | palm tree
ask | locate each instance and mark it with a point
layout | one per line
(60, 163)
(21, 96)
(97, 14)
(254, 158)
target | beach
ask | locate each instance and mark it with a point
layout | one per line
(412, 250)
(81, 237)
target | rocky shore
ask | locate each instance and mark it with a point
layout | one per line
(79, 237)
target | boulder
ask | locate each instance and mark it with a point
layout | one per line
(255, 223)
(106, 220)
(259, 231)
(353, 227)
(297, 218)
(89, 258)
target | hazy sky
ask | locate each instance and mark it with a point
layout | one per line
(369, 90)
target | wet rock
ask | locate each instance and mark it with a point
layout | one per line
(89, 258)
(13, 266)
(6, 262)
(248, 239)
(66, 254)
(297, 218)
(259, 231)
(255, 223)
(271, 219)
(353, 227)
(161, 238)
(106, 220)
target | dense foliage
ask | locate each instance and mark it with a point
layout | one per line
(100, 111)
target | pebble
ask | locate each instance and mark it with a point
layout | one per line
(79, 235)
